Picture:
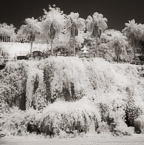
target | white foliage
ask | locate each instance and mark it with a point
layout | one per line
(95, 82)
(132, 29)
(97, 19)
(33, 24)
(8, 30)
(53, 16)
(100, 20)
(74, 18)
(68, 115)
(108, 40)
(34, 74)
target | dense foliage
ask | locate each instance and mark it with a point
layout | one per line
(69, 95)
(69, 33)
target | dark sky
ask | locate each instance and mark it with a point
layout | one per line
(118, 12)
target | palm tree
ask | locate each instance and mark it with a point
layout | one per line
(52, 34)
(96, 24)
(31, 29)
(52, 23)
(74, 25)
(73, 34)
(115, 43)
(133, 33)
(31, 38)
(2, 31)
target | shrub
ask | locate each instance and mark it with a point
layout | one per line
(70, 117)
(132, 111)
(14, 84)
(13, 123)
(103, 127)
(123, 131)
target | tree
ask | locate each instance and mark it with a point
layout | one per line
(21, 35)
(135, 34)
(30, 30)
(62, 42)
(74, 25)
(7, 32)
(52, 24)
(131, 31)
(96, 24)
(115, 45)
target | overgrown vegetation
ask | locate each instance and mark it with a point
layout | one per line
(65, 96)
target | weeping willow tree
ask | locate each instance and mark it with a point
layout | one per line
(52, 23)
(74, 25)
(96, 24)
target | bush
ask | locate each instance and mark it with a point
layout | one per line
(13, 84)
(13, 123)
(74, 117)
(103, 127)
(123, 131)
(17, 122)
(4, 52)
(132, 111)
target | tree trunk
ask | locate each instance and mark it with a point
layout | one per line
(47, 53)
(74, 46)
(117, 58)
(4, 38)
(117, 52)
(31, 45)
(47, 46)
(133, 45)
(1, 38)
(68, 53)
(96, 47)
(51, 47)
(134, 51)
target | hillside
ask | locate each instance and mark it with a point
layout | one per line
(62, 96)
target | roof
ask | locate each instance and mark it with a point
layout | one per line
(84, 49)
